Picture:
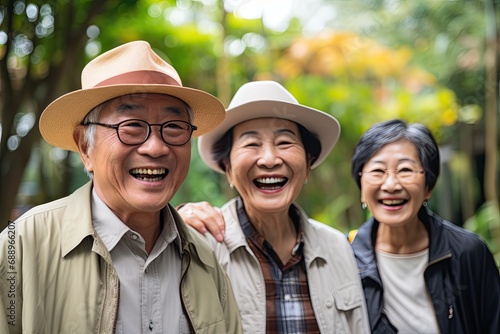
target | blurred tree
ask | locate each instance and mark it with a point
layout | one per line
(491, 115)
(456, 41)
(360, 82)
(416, 60)
(41, 48)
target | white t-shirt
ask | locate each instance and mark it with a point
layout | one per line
(406, 300)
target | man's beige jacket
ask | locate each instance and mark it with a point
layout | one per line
(56, 275)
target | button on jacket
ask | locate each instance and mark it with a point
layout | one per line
(461, 277)
(58, 277)
(335, 287)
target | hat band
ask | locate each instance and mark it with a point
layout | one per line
(140, 78)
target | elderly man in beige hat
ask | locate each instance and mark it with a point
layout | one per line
(114, 256)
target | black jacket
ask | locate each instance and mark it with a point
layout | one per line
(461, 277)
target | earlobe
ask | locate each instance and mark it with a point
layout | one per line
(428, 194)
(228, 176)
(228, 173)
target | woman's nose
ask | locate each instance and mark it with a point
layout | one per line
(269, 156)
(391, 182)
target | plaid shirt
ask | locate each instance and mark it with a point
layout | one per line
(288, 302)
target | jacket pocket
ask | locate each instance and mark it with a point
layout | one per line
(347, 297)
(348, 314)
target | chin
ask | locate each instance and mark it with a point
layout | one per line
(151, 205)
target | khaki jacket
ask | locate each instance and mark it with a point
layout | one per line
(334, 284)
(57, 276)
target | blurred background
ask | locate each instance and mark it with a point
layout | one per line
(363, 61)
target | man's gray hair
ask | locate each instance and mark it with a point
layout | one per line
(89, 131)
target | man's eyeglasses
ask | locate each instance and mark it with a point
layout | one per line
(136, 131)
(378, 176)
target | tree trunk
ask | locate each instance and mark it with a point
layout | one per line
(491, 112)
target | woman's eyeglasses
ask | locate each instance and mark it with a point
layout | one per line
(404, 175)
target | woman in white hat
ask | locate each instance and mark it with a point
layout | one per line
(290, 274)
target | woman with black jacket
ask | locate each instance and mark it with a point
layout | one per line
(420, 273)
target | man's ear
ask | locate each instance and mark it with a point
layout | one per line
(83, 147)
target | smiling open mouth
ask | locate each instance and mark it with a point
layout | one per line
(147, 174)
(393, 202)
(270, 183)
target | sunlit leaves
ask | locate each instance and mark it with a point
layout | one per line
(379, 82)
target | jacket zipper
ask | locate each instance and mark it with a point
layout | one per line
(116, 308)
(450, 306)
(438, 259)
(188, 255)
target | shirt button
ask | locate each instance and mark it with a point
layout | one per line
(134, 236)
(329, 303)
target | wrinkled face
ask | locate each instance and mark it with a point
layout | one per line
(140, 178)
(395, 202)
(268, 164)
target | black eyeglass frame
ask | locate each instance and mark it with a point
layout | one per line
(117, 126)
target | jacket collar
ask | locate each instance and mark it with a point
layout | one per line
(191, 240)
(77, 225)
(76, 222)
(439, 246)
(313, 249)
(364, 241)
(235, 237)
(363, 246)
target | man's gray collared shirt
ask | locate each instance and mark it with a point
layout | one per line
(149, 285)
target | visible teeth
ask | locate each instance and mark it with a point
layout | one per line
(150, 179)
(148, 171)
(269, 180)
(271, 188)
(393, 201)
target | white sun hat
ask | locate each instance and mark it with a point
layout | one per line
(262, 99)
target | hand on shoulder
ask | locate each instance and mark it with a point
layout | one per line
(204, 217)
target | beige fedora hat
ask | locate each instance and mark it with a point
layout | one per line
(260, 99)
(128, 69)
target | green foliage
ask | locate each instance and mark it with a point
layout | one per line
(203, 184)
(486, 223)
(333, 213)
(417, 60)
(188, 48)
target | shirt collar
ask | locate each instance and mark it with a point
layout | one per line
(111, 229)
(107, 225)
(252, 234)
